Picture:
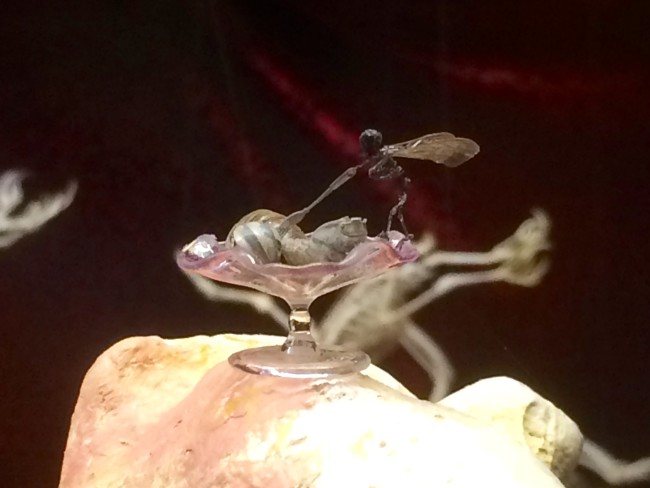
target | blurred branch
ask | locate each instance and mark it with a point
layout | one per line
(15, 223)
(613, 470)
(518, 260)
(430, 357)
(261, 302)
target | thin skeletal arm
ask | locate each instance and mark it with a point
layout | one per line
(528, 241)
(517, 260)
(444, 285)
(16, 224)
(450, 258)
(261, 302)
(357, 309)
(612, 470)
(430, 356)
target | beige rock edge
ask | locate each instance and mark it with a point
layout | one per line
(173, 413)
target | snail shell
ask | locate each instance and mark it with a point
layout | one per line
(330, 242)
(266, 236)
(259, 240)
(257, 234)
(524, 415)
(339, 237)
(263, 216)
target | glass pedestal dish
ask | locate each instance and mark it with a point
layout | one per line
(300, 355)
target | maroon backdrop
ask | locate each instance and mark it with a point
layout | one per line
(178, 117)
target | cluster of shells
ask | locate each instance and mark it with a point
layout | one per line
(269, 238)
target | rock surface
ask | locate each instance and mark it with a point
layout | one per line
(524, 415)
(173, 413)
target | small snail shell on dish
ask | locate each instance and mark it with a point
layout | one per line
(330, 242)
(258, 234)
(262, 235)
(263, 216)
(340, 236)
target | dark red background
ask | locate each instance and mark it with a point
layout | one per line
(178, 117)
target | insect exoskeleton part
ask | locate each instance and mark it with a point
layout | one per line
(257, 234)
(370, 141)
(331, 242)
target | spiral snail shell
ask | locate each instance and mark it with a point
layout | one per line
(262, 234)
(257, 233)
(330, 242)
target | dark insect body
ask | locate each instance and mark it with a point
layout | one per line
(378, 160)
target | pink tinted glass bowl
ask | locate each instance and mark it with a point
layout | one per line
(299, 286)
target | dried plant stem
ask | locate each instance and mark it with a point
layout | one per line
(262, 303)
(430, 356)
(613, 470)
(15, 223)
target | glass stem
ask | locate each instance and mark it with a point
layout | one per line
(300, 338)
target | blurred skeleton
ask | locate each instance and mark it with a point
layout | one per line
(376, 315)
(16, 223)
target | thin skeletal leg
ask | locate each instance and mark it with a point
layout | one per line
(524, 245)
(444, 285)
(261, 302)
(391, 216)
(297, 217)
(355, 309)
(15, 222)
(449, 258)
(612, 470)
(406, 182)
(397, 208)
(430, 356)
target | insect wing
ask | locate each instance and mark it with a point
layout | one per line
(441, 147)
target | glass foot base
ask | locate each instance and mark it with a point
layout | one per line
(299, 362)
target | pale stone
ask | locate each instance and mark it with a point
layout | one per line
(173, 413)
(550, 434)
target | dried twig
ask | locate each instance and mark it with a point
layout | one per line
(260, 302)
(16, 223)
(614, 471)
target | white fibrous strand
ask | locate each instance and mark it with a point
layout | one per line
(611, 469)
(16, 222)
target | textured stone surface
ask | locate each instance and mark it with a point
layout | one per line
(524, 415)
(157, 413)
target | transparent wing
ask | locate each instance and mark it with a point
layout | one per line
(441, 147)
